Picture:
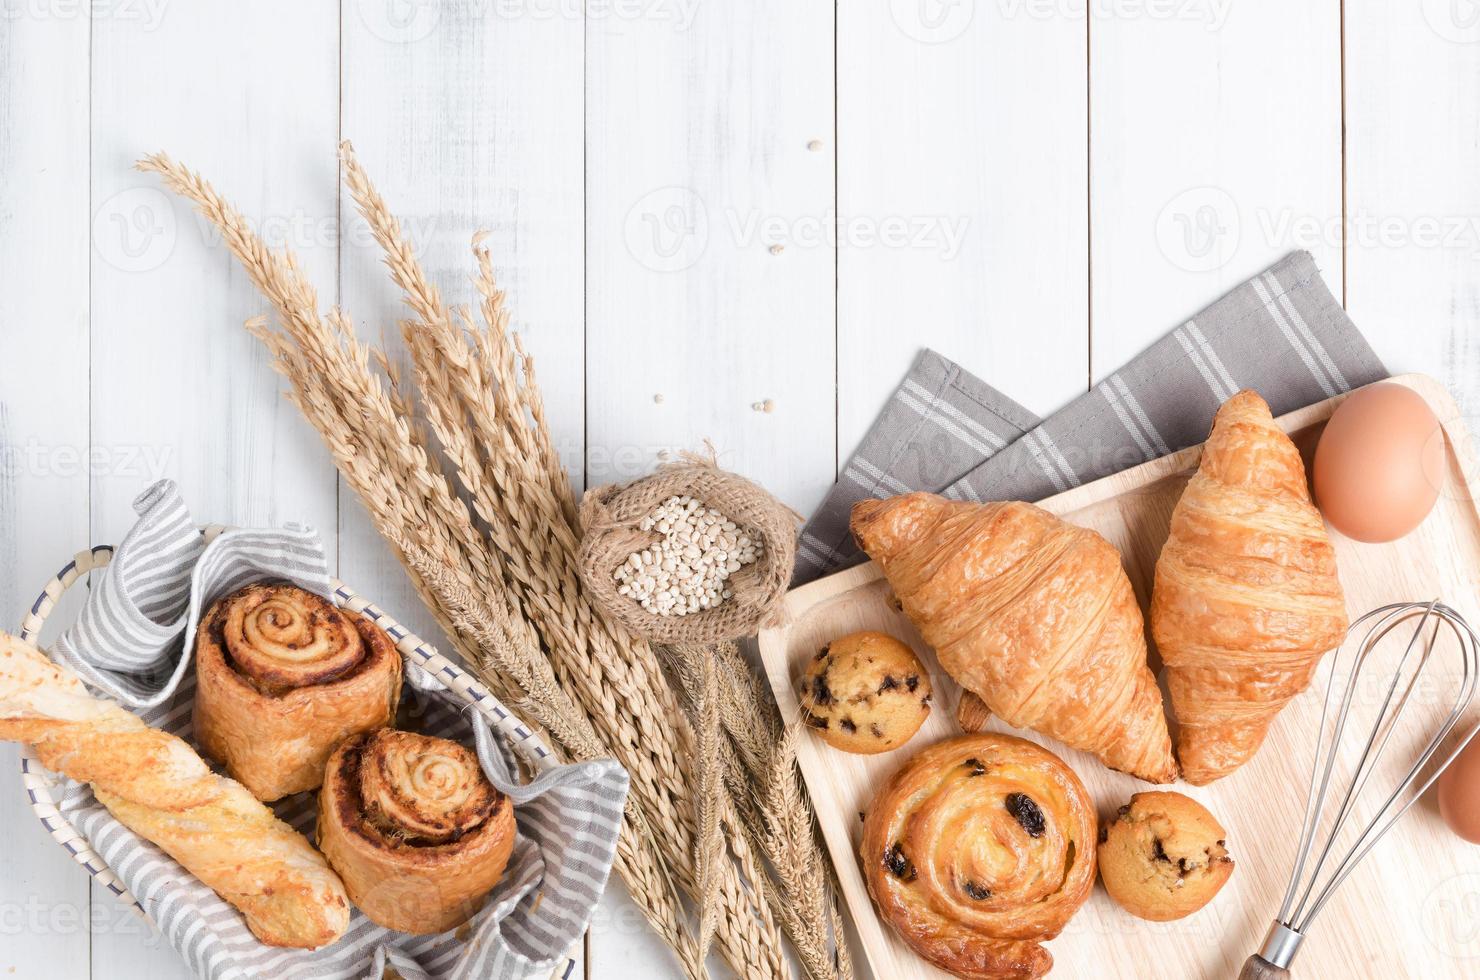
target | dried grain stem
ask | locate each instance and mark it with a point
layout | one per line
(490, 543)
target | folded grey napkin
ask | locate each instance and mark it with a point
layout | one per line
(1281, 333)
(131, 642)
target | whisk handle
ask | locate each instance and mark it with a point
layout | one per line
(1257, 967)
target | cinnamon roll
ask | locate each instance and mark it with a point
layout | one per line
(977, 850)
(283, 677)
(414, 828)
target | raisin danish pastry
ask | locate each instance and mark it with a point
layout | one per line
(977, 850)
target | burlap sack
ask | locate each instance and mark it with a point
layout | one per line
(610, 534)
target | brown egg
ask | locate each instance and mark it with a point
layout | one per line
(1459, 793)
(1380, 463)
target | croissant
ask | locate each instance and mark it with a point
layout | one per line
(283, 677)
(977, 850)
(156, 786)
(1033, 615)
(1246, 598)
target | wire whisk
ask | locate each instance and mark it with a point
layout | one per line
(1311, 887)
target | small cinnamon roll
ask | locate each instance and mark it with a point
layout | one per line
(414, 828)
(283, 677)
(977, 850)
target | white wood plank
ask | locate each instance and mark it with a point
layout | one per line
(622, 946)
(467, 119)
(710, 308)
(709, 273)
(1215, 137)
(1413, 204)
(43, 432)
(967, 123)
(248, 95)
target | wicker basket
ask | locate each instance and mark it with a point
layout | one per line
(39, 782)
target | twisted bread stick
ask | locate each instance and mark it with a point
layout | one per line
(157, 786)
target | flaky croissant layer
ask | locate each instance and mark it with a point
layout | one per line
(1246, 598)
(157, 786)
(1033, 615)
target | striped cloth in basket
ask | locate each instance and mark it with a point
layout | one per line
(130, 642)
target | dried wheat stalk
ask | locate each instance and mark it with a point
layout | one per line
(758, 759)
(501, 579)
(476, 403)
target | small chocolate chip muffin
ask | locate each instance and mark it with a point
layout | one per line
(1164, 856)
(865, 693)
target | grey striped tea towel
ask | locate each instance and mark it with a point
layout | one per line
(1281, 333)
(128, 642)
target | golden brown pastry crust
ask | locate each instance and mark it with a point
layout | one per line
(1033, 615)
(414, 828)
(160, 789)
(865, 693)
(977, 850)
(972, 713)
(283, 677)
(1246, 598)
(1164, 856)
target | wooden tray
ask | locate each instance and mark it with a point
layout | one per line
(1411, 909)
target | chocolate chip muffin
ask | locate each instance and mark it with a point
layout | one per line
(865, 693)
(1164, 856)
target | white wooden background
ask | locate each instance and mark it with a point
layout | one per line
(1035, 189)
